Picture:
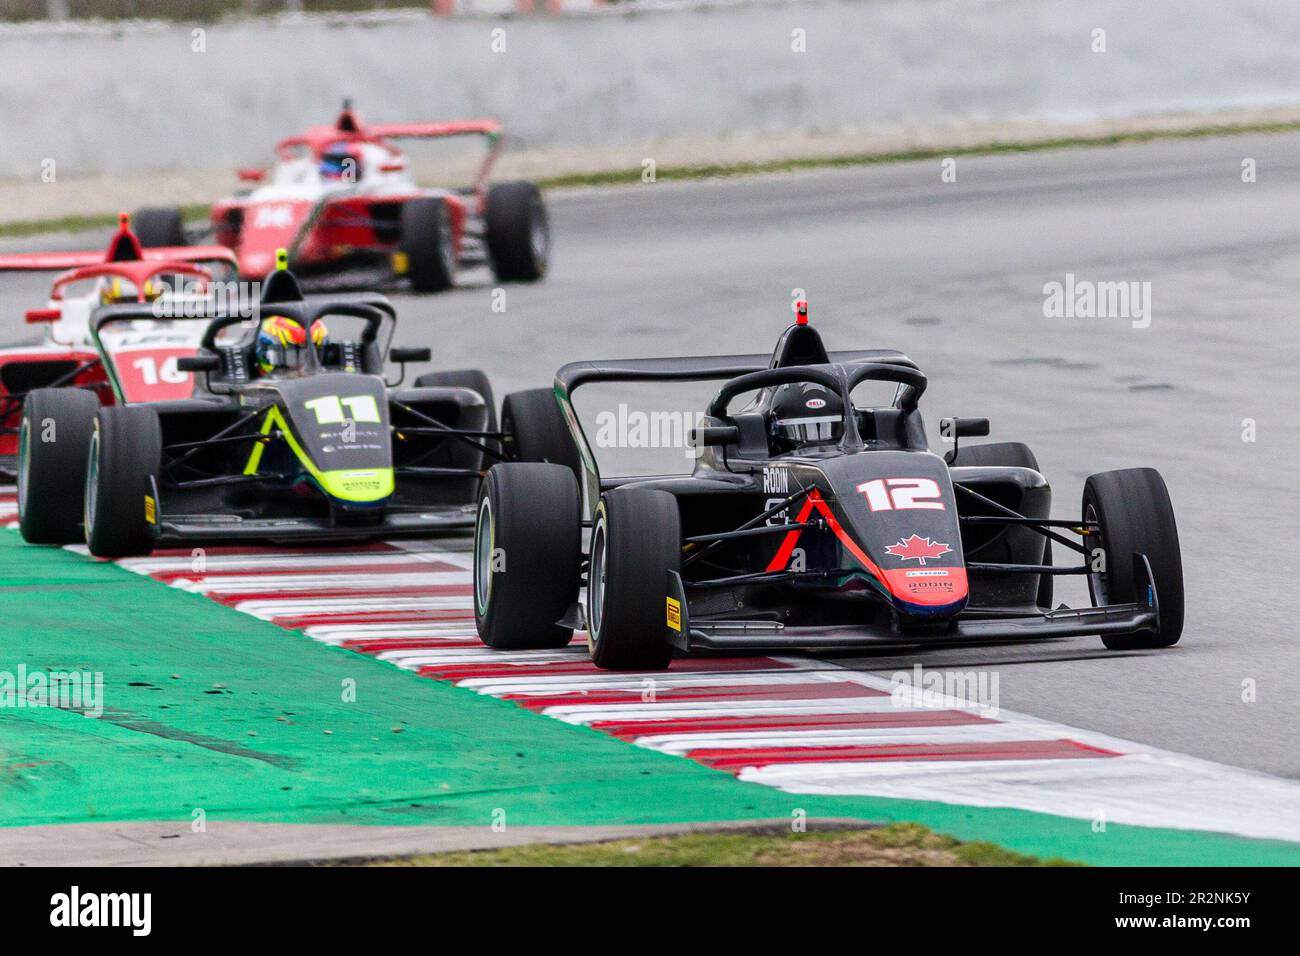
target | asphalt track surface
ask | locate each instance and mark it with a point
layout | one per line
(953, 274)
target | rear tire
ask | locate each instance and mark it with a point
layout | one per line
(429, 244)
(535, 430)
(122, 472)
(636, 541)
(51, 474)
(527, 551)
(159, 226)
(1133, 509)
(518, 232)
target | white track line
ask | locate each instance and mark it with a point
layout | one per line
(1144, 785)
(255, 583)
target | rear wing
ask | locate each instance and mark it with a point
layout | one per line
(696, 369)
(62, 261)
(490, 129)
(481, 127)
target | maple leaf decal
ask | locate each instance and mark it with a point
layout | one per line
(917, 548)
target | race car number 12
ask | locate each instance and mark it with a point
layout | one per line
(329, 409)
(897, 494)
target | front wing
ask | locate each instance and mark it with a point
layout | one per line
(968, 628)
(213, 529)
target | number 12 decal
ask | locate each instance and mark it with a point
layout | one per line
(898, 494)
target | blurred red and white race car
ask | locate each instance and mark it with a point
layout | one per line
(343, 196)
(65, 356)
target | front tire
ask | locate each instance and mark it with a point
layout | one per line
(518, 232)
(1134, 515)
(53, 445)
(429, 244)
(635, 542)
(122, 473)
(527, 550)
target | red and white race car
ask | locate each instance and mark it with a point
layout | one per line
(343, 196)
(66, 355)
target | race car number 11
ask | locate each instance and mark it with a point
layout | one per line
(329, 409)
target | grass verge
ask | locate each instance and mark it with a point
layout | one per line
(899, 844)
(625, 177)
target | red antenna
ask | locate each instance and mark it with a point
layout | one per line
(801, 312)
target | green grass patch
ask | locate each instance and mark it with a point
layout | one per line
(898, 844)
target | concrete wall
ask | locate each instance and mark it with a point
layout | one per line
(106, 99)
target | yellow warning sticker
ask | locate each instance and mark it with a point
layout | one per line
(675, 615)
(150, 510)
(401, 263)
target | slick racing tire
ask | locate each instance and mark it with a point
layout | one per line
(518, 232)
(53, 442)
(527, 551)
(635, 542)
(1132, 508)
(429, 243)
(121, 477)
(1009, 454)
(156, 227)
(535, 430)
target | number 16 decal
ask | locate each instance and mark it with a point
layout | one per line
(898, 494)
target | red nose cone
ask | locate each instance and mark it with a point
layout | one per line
(801, 312)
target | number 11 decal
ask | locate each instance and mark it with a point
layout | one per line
(898, 494)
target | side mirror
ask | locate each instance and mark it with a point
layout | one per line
(252, 174)
(43, 315)
(713, 435)
(963, 427)
(198, 363)
(410, 355)
(951, 429)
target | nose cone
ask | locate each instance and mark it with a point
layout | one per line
(897, 517)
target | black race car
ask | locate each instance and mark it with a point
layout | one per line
(328, 450)
(811, 523)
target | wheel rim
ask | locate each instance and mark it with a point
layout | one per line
(484, 539)
(1098, 581)
(24, 461)
(596, 581)
(92, 482)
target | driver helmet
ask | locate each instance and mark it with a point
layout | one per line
(341, 162)
(805, 413)
(282, 343)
